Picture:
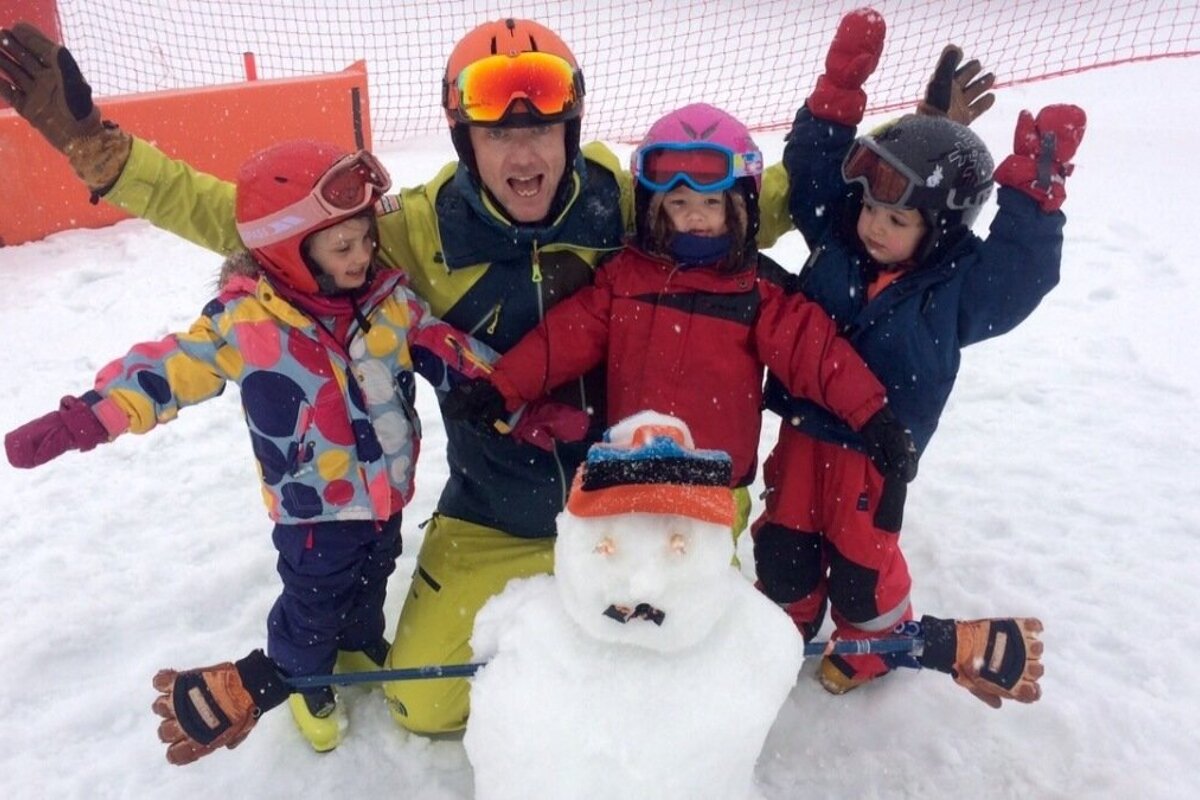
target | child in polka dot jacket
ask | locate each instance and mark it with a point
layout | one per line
(324, 346)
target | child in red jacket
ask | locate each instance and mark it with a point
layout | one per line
(688, 314)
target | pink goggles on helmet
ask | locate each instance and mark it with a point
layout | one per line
(352, 184)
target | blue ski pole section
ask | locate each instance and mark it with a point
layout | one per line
(893, 644)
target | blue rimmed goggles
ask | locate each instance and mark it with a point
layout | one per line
(702, 166)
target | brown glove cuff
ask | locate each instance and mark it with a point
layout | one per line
(99, 159)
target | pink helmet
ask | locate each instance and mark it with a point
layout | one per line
(289, 191)
(668, 153)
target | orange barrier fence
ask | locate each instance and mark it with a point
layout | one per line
(214, 129)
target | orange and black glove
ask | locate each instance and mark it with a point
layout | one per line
(852, 57)
(212, 707)
(994, 659)
(478, 403)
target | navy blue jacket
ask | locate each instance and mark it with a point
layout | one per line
(912, 333)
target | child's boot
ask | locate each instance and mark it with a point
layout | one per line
(371, 658)
(839, 674)
(318, 717)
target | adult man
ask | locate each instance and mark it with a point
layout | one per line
(490, 242)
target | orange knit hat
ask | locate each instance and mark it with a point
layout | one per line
(649, 465)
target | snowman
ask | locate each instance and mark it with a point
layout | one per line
(647, 667)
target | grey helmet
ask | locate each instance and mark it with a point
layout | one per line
(931, 164)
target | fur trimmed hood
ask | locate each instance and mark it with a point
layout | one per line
(240, 263)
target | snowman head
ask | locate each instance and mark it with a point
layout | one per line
(644, 547)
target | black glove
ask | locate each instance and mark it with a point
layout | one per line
(890, 446)
(479, 403)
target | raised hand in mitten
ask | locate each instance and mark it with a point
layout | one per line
(960, 93)
(41, 81)
(994, 659)
(1042, 151)
(479, 403)
(74, 426)
(212, 707)
(852, 57)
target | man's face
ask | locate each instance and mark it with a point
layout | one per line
(521, 167)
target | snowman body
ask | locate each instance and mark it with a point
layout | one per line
(648, 667)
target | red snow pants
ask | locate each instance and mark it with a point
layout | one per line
(816, 542)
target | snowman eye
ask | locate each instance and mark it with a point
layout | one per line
(678, 544)
(605, 547)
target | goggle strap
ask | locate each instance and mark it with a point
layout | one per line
(285, 223)
(314, 208)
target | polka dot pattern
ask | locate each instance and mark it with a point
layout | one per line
(334, 432)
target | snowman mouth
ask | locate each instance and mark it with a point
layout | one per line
(623, 614)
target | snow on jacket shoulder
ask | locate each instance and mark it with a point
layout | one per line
(333, 428)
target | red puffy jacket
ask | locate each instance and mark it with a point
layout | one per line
(693, 343)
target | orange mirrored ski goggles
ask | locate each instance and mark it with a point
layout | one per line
(486, 90)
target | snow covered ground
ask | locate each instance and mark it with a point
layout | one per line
(1062, 484)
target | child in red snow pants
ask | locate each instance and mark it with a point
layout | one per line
(816, 542)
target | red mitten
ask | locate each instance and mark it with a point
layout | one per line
(1042, 152)
(73, 427)
(543, 423)
(852, 57)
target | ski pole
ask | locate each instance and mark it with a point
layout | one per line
(844, 647)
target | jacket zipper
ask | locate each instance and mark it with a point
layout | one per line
(300, 465)
(488, 322)
(536, 279)
(536, 263)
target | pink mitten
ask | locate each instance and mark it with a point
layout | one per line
(544, 422)
(73, 427)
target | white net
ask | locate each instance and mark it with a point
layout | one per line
(640, 59)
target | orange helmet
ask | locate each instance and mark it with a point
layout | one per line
(488, 83)
(509, 38)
